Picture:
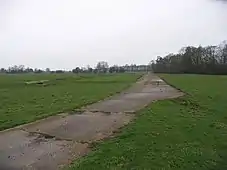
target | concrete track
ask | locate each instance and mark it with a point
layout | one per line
(54, 142)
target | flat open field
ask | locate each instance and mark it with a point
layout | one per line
(177, 134)
(28, 97)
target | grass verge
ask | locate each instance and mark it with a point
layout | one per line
(27, 97)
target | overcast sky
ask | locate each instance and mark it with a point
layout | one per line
(63, 34)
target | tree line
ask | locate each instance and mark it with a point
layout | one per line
(196, 60)
(101, 67)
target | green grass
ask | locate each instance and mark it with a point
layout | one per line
(22, 103)
(178, 134)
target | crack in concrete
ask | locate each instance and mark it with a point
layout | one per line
(40, 136)
(46, 136)
(101, 112)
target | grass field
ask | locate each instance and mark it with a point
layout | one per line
(178, 134)
(28, 97)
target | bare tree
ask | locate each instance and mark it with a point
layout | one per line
(102, 66)
(48, 70)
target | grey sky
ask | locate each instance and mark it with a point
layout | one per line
(69, 33)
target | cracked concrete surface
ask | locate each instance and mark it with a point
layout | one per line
(57, 140)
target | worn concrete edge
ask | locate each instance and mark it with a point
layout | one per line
(174, 86)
